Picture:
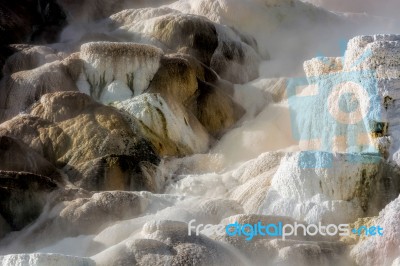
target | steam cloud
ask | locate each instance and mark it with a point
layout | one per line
(372, 7)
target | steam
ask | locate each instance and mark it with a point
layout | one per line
(386, 8)
(293, 35)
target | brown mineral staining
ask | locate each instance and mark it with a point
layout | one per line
(115, 50)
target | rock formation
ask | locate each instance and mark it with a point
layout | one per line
(385, 249)
(70, 129)
(20, 90)
(140, 121)
(171, 129)
(118, 71)
(23, 197)
(45, 260)
(217, 46)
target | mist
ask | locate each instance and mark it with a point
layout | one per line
(386, 8)
(248, 165)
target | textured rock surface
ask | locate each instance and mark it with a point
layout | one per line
(21, 89)
(354, 186)
(177, 79)
(77, 213)
(29, 58)
(171, 129)
(90, 215)
(185, 80)
(117, 172)
(255, 178)
(216, 110)
(167, 74)
(217, 46)
(69, 129)
(118, 71)
(375, 56)
(322, 66)
(17, 156)
(382, 250)
(44, 260)
(190, 34)
(294, 250)
(169, 244)
(22, 197)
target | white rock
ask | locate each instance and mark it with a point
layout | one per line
(167, 242)
(367, 57)
(38, 259)
(83, 84)
(322, 66)
(381, 250)
(396, 262)
(115, 67)
(339, 193)
(374, 51)
(255, 177)
(116, 91)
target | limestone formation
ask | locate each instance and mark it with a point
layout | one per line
(169, 244)
(172, 130)
(216, 110)
(118, 71)
(299, 250)
(137, 123)
(116, 172)
(45, 260)
(23, 197)
(384, 249)
(184, 79)
(20, 90)
(176, 79)
(69, 129)
(370, 62)
(353, 186)
(89, 215)
(218, 47)
(18, 157)
(29, 58)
